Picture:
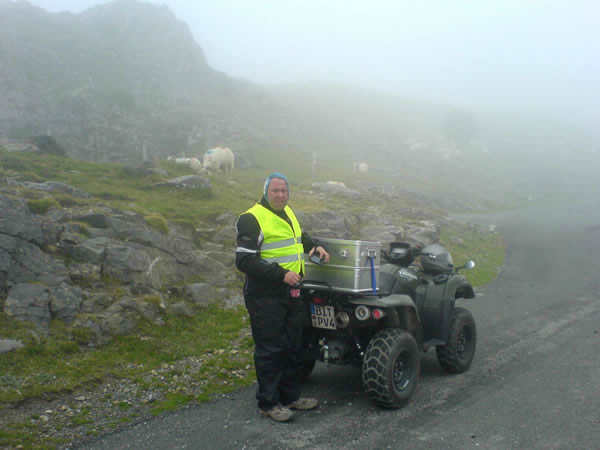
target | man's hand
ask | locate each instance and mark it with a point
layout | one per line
(291, 278)
(321, 252)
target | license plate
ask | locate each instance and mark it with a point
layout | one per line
(322, 316)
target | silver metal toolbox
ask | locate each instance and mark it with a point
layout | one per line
(349, 267)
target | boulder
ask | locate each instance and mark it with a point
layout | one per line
(21, 262)
(189, 182)
(9, 345)
(29, 302)
(56, 186)
(17, 221)
(96, 220)
(125, 263)
(180, 309)
(65, 302)
(200, 294)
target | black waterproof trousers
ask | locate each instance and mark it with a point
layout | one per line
(277, 331)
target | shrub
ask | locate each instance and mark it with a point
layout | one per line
(82, 335)
(153, 300)
(157, 222)
(42, 205)
(68, 201)
(81, 227)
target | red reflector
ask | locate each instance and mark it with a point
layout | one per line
(377, 314)
(318, 300)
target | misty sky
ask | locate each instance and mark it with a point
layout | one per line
(525, 55)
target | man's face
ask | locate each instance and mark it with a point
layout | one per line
(277, 194)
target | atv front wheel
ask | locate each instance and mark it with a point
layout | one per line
(457, 354)
(391, 367)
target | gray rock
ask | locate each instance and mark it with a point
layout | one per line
(201, 294)
(56, 186)
(65, 302)
(212, 247)
(124, 225)
(130, 265)
(423, 233)
(234, 300)
(21, 261)
(9, 345)
(70, 237)
(143, 309)
(118, 323)
(85, 274)
(225, 235)
(177, 248)
(212, 269)
(51, 232)
(189, 182)
(335, 188)
(96, 220)
(227, 218)
(180, 309)
(97, 324)
(96, 303)
(91, 250)
(29, 302)
(227, 259)
(328, 224)
(156, 171)
(381, 233)
(17, 221)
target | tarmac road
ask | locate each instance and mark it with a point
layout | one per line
(534, 382)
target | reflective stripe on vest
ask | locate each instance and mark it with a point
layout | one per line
(281, 244)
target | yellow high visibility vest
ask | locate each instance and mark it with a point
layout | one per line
(281, 243)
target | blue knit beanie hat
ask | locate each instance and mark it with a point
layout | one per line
(270, 177)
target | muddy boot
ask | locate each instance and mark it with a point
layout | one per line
(303, 404)
(278, 413)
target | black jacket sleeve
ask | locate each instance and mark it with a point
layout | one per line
(247, 255)
(308, 242)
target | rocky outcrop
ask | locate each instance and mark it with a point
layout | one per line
(93, 269)
(103, 270)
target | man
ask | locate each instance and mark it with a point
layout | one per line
(270, 247)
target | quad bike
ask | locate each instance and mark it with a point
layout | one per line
(408, 308)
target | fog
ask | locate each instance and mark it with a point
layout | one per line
(526, 72)
(535, 56)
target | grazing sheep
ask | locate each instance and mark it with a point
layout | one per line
(193, 163)
(360, 167)
(219, 159)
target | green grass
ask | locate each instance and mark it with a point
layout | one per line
(42, 205)
(58, 364)
(486, 249)
(110, 183)
(158, 222)
(172, 401)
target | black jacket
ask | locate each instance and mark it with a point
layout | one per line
(262, 277)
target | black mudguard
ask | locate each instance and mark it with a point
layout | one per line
(435, 299)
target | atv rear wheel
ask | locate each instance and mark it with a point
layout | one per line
(391, 367)
(457, 354)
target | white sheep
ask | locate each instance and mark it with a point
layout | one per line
(360, 167)
(193, 163)
(219, 158)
